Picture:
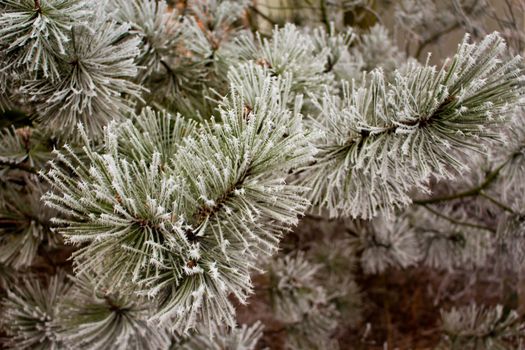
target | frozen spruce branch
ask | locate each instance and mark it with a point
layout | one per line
(239, 338)
(30, 311)
(482, 328)
(382, 140)
(90, 317)
(187, 227)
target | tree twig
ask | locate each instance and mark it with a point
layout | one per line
(19, 166)
(457, 222)
(324, 16)
(497, 202)
(434, 37)
(262, 15)
(489, 179)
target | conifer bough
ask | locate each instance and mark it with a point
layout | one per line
(186, 219)
(185, 148)
(384, 139)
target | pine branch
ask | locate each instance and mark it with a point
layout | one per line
(30, 310)
(288, 52)
(96, 88)
(497, 202)
(184, 214)
(391, 137)
(428, 41)
(263, 16)
(36, 34)
(19, 166)
(24, 225)
(482, 327)
(457, 222)
(489, 179)
(243, 337)
(91, 318)
(324, 15)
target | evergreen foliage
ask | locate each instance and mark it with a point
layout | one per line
(301, 304)
(383, 139)
(240, 338)
(190, 159)
(35, 34)
(25, 225)
(93, 318)
(473, 327)
(189, 240)
(31, 312)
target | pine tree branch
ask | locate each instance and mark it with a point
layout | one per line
(19, 166)
(204, 212)
(439, 34)
(262, 15)
(38, 8)
(497, 202)
(435, 37)
(324, 16)
(457, 222)
(410, 126)
(489, 179)
(366, 134)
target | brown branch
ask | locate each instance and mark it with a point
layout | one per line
(205, 211)
(489, 179)
(38, 8)
(497, 202)
(457, 222)
(263, 16)
(423, 122)
(19, 166)
(324, 16)
(434, 38)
